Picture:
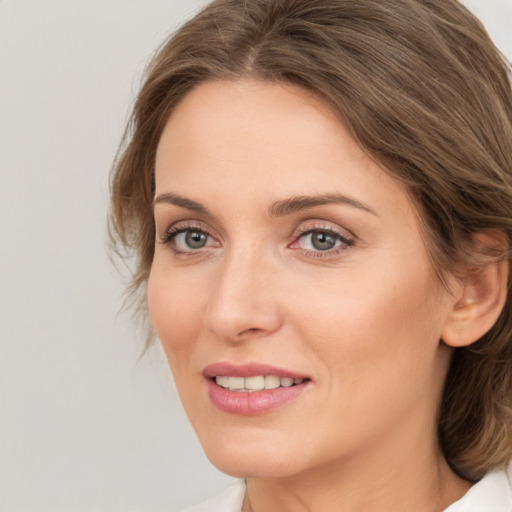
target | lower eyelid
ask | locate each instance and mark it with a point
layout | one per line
(327, 253)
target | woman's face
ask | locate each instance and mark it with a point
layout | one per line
(291, 287)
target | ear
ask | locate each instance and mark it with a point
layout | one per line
(480, 296)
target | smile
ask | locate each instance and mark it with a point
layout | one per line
(252, 388)
(256, 383)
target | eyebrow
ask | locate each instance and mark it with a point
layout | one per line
(278, 209)
(300, 203)
(182, 202)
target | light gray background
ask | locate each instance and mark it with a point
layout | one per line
(85, 426)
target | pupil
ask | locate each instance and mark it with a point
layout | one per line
(195, 240)
(323, 241)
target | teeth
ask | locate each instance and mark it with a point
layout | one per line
(236, 383)
(256, 383)
(272, 382)
(222, 381)
(286, 382)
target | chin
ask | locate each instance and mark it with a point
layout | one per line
(251, 460)
(253, 468)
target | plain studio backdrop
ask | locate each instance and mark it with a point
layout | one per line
(85, 425)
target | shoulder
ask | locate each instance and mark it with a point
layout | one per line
(230, 500)
(491, 494)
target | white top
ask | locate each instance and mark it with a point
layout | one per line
(491, 494)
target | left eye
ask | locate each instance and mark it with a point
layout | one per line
(319, 240)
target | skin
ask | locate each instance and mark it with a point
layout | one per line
(362, 320)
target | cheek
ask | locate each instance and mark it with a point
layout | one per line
(175, 308)
(379, 322)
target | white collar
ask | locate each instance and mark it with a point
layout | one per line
(491, 494)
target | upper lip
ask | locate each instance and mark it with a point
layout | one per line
(225, 368)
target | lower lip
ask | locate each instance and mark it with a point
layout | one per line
(254, 403)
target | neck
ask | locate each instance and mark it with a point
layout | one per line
(378, 481)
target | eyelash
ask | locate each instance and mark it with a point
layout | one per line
(345, 242)
(174, 231)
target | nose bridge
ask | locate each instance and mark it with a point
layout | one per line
(242, 302)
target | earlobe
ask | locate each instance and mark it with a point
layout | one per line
(479, 301)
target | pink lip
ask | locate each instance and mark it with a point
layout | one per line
(248, 370)
(257, 402)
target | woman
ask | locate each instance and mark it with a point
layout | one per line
(318, 196)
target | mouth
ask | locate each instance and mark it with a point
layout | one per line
(252, 388)
(256, 382)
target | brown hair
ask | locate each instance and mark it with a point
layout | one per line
(423, 90)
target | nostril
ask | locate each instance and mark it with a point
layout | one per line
(251, 330)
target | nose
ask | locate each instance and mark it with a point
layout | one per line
(244, 303)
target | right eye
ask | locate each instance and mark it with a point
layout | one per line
(191, 239)
(188, 240)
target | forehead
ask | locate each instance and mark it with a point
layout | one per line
(250, 140)
(248, 113)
